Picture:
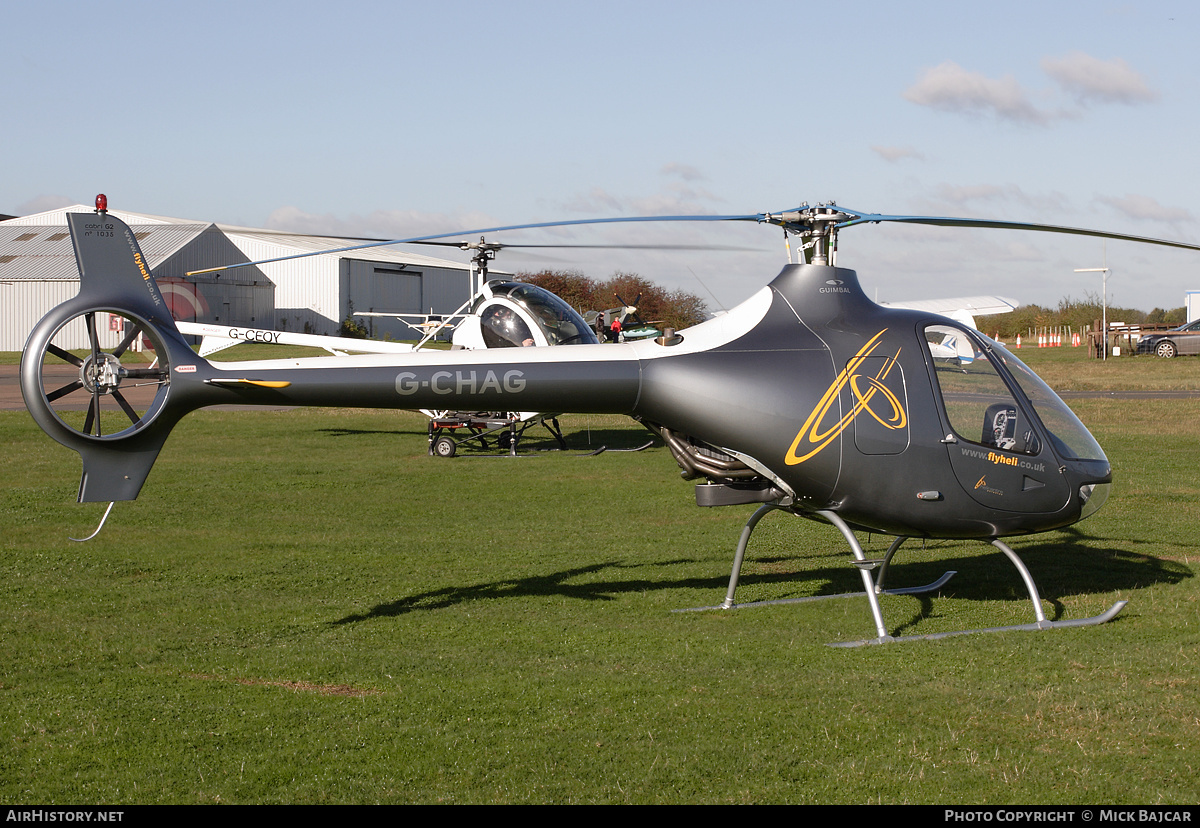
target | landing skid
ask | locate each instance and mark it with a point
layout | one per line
(603, 449)
(873, 586)
(916, 590)
(1091, 621)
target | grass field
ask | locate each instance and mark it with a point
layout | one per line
(1069, 369)
(304, 607)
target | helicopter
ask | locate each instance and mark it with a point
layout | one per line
(500, 313)
(808, 398)
(497, 314)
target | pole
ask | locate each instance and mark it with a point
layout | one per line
(1103, 303)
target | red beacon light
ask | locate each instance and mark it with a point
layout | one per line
(102, 203)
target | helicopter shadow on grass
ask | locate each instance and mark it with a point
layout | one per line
(1061, 565)
(366, 432)
(545, 585)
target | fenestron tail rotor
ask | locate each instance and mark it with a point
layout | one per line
(96, 371)
(114, 386)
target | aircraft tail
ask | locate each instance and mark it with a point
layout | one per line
(108, 373)
(97, 370)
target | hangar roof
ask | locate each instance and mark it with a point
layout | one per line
(38, 247)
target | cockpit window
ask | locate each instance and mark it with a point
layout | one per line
(983, 410)
(557, 320)
(977, 400)
(502, 328)
(1071, 439)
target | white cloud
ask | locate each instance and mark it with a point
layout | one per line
(950, 88)
(43, 204)
(895, 154)
(1086, 79)
(683, 203)
(387, 224)
(1091, 80)
(1147, 209)
(595, 201)
(684, 171)
(963, 195)
(674, 198)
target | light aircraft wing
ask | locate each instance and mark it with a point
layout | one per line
(426, 322)
(961, 309)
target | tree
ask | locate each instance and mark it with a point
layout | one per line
(677, 309)
(571, 286)
(1162, 316)
(1078, 315)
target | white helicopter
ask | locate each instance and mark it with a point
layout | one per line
(498, 314)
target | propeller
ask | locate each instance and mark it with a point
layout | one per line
(506, 246)
(876, 218)
(631, 311)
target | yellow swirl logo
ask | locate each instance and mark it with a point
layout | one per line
(815, 434)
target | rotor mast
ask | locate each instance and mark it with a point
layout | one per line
(485, 251)
(817, 226)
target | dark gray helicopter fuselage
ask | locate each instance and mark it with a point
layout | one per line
(835, 402)
(840, 399)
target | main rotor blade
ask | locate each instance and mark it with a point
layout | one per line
(876, 218)
(785, 218)
(504, 246)
(538, 225)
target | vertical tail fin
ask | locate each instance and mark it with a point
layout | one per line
(111, 399)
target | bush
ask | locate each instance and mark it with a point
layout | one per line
(678, 309)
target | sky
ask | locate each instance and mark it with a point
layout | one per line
(397, 119)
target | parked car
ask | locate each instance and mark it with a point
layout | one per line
(1182, 340)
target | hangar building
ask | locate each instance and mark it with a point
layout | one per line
(313, 295)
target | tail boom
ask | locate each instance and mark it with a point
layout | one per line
(93, 400)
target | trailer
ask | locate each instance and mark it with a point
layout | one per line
(450, 429)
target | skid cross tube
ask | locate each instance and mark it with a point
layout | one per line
(872, 588)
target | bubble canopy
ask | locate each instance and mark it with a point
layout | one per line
(514, 309)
